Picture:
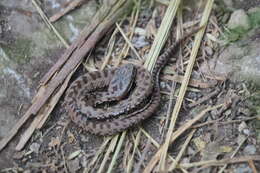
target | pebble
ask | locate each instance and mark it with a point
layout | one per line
(238, 19)
(250, 150)
(35, 147)
(74, 165)
(242, 169)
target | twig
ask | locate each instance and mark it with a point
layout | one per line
(184, 146)
(203, 99)
(109, 150)
(156, 144)
(192, 82)
(176, 134)
(119, 145)
(220, 162)
(64, 160)
(48, 23)
(111, 44)
(71, 6)
(233, 154)
(134, 19)
(97, 155)
(128, 41)
(222, 123)
(252, 165)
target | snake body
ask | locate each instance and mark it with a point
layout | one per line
(128, 94)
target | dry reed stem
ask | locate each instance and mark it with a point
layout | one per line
(183, 88)
(176, 134)
(184, 146)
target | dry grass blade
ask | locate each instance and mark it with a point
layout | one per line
(234, 153)
(133, 21)
(48, 23)
(97, 155)
(223, 123)
(156, 144)
(110, 149)
(118, 147)
(184, 146)
(184, 85)
(111, 45)
(220, 162)
(176, 134)
(128, 41)
(130, 162)
(162, 34)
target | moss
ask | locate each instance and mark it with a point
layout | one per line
(235, 34)
(255, 18)
(19, 50)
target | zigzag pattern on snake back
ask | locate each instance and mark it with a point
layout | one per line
(138, 100)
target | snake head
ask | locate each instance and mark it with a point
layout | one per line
(122, 81)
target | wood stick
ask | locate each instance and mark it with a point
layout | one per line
(71, 6)
(102, 22)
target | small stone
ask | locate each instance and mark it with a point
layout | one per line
(239, 19)
(185, 160)
(84, 138)
(242, 126)
(209, 50)
(242, 169)
(35, 147)
(246, 132)
(140, 42)
(190, 151)
(250, 150)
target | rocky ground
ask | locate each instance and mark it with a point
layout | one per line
(229, 56)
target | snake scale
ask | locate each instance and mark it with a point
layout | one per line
(112, 100)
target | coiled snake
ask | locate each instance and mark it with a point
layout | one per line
(110, 101)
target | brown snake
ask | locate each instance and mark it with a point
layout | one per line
(110, 101)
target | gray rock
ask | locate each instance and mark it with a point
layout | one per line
(28, 49)
(239, 19)
(239, 61)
